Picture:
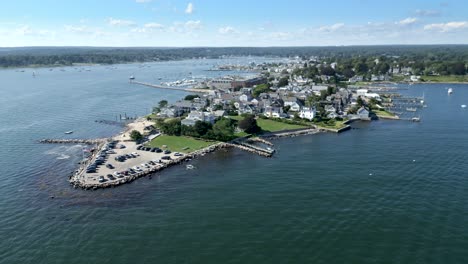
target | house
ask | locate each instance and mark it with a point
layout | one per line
(274, 111)
(363, 113)
(307, 113)
(219, 113)
(294, 104)
(356, 79)
(245, 97)
(184, 105)
(195, 116)
(169, 112)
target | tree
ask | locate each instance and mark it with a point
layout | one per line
(162, 104)
(261, 88)
(136, 136)
(329, 71)
(249, 125)
(170, 127)
(201, 128)
(359, 101)
(223, 130)
(361, 68)
(190, 97)
(348, 73)
(283, 82)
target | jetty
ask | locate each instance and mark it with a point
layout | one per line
(73, 141)
(171, 87)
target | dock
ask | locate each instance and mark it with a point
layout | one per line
(193, 90)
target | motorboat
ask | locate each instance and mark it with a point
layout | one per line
(69, 132)
(450, 91)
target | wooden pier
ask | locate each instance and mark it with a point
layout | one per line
(192, 90)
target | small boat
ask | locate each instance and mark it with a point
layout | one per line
(34, 74)
(463, 106)
(69, 132)
(190, 167)
(415, 119)
(132, 77)
(411, 109)
(450, 91)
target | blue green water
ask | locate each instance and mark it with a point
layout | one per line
(385, 192)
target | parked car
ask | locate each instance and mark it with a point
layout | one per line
(177, 154)
(167, 151)
(101, 179)
(165, 157)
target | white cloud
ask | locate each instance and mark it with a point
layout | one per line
(407, 21)
(193, 24)
(153, 25)
(427, 13)
(331, 28)
(449, 26)
(77, 29)
(23, 30)
(120, 22)
(148, 27)
(227, 30)
(189, 9)
(280, 35)
(143, 1)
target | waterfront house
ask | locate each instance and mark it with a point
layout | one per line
(307, 113)
(195, 116)
(294, 104)
(363, 113)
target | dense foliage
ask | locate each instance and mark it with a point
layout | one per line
(222, 130)
(443, 59)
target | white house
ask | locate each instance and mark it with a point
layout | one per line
(415, 78)
(195, 116)
(361, 92)
(363, 113)
(307, 113)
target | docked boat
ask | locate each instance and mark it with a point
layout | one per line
(69, 132)
(411, 109)
(450, 91)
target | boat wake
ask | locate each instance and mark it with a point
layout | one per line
(64, 152)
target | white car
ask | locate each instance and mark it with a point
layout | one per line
(137, 168)
(136, 154)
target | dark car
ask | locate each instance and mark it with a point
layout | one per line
(110, 166)
(153, 150)
(165, 158)
(158, 150)
(101, 179)
(167, 151)
(139, 147)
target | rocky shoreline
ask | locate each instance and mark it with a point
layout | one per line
(77, 182)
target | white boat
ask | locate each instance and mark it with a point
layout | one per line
(463, 106)
(69, 132)
(449, 91)
(190, 167)
(132, 77)
(409, 109)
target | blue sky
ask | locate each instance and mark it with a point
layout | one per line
(231, 23)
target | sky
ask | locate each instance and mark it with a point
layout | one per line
(189, 23)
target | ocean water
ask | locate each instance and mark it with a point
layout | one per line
(384, 192)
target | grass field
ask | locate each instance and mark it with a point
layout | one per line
(447, 78)
(338, 125)
(383, 113)
(274, 126)
(179, 144)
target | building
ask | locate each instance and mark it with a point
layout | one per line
(195, 116)
(247, 82)
(363, 113)
(307, 113)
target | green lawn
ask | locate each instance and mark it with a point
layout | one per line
(383, 113)
(179, 144)
(447, 78)
(338, 125)
(274, 126)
